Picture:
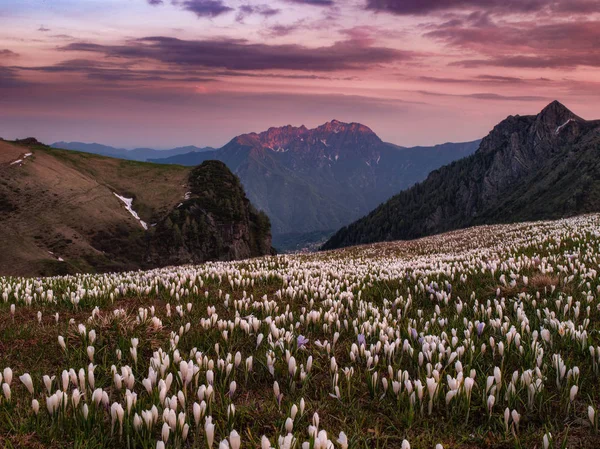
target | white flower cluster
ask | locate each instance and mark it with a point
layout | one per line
(496, 325)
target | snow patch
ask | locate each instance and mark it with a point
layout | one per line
(20, 161)
(60, 259)
(324, 142)
(187, 195)
(128, 203)
(559, 129)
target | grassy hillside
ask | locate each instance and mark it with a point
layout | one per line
(59, 204)
(484, 338)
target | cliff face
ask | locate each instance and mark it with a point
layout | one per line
(527, 168)
(214, 222)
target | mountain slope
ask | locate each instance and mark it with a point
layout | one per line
(527, 168)
(137, 154)
(311, 181)
(66, 212)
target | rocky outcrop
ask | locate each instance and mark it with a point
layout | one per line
(528, 167)
(215, 222)
(28, 141)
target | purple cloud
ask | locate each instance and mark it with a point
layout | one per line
(238, 54)
(486, 96)
(313, 2)
(204, 8)
(6, 53)
(422, 7)
(120, 74)
(9, 79)
(261, 10)
(479, 79)
(283, 30)
(577, 6)
(523, 44)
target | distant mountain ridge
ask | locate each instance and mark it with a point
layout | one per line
(137, 154)
(527, 168)
(309, 181)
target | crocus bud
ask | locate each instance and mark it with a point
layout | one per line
(209, 429)
(235, 440)
(8, 375)
(573, 392)
(27, 381)
(165, 432)
(343, 440)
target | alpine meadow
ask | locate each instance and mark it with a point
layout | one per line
(299, 224)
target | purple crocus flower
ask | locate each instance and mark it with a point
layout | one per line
(301, 341)
(413, 333)
(362, 340)
(480, 327)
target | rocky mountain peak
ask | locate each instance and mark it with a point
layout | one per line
(555, 117)
(334, 132)
(556, 108)
(335, 126)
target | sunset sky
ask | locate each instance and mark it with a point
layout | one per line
(165, 73)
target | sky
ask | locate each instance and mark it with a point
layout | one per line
(167, 73)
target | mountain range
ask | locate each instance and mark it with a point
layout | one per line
(311, 182)
(68, 212)
(533, 167)
(137, 154)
